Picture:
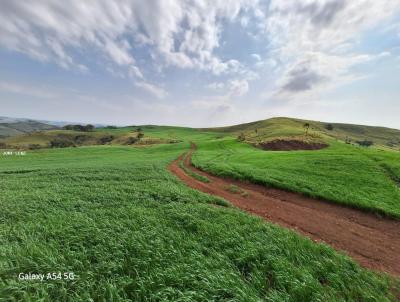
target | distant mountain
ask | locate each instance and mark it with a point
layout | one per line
(10, 126)
(15, 126)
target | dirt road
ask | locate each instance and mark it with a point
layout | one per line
(373, 242)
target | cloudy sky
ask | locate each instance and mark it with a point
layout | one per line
(200, 63)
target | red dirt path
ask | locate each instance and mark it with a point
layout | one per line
(373, 242)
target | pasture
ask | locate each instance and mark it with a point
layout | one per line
(131, 231)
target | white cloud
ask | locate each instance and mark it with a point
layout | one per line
(238, 88)
(313, 40)
(183, 33)
(216, 86)
(119, 53)
(154, 90)
(28, 90)
(300, 47)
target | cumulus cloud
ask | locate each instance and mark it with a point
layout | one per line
(313, 41)
(300, 46)
(183, 33)
(301, 79)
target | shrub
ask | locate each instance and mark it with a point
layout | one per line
(61, 143)
(306, 127)
(131, 140)
(365, 143)
(106, 139)
(329, 127)
(241, 137)
(34, 146)
(82, 128)
(3, 145)
(80, 139)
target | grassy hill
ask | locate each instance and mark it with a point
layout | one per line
(286, 128)
(103, 136)
(19, 127)
(365, 178)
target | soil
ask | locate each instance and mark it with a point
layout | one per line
(372, 241)
(289, 145)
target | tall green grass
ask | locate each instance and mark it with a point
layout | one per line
(131, 231)
(349, 175)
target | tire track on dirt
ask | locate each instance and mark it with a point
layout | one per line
(372, 241)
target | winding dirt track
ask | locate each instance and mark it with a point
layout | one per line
(373, 242)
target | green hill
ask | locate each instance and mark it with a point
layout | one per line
(285, 128)
(19, 127)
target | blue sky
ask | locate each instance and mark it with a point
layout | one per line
(200, 63)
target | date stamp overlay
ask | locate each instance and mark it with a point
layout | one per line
(13, 153)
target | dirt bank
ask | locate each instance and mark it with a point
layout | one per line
(290, 145)
(373, 242)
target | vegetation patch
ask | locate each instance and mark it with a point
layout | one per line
(192, 173)
(291, 145)
(342, 173)
(237, 190)
(131, 231)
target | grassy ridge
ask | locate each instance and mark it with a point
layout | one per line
(105, 136)
(283, 127)
(357, 177)
(9, 128)
(131, 231)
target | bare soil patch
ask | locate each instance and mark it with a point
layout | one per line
(290, 145)
(372, 241)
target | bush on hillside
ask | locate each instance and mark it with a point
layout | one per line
(329, 127)
(82, 128)
(131, 140)
(80, 139)
(365, 143)
(34, 146)
(241, 137)
(106, 139)
(306, 127)
(61, 143)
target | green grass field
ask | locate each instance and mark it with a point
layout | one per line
(130, 231)
(363, 178)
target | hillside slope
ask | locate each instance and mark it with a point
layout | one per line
(283, 127)
(9, 127)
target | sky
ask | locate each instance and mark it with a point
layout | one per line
(200, 63)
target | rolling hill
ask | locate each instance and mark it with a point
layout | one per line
(22, 132)
(113, 216)
(13, 126)
(285, 128)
